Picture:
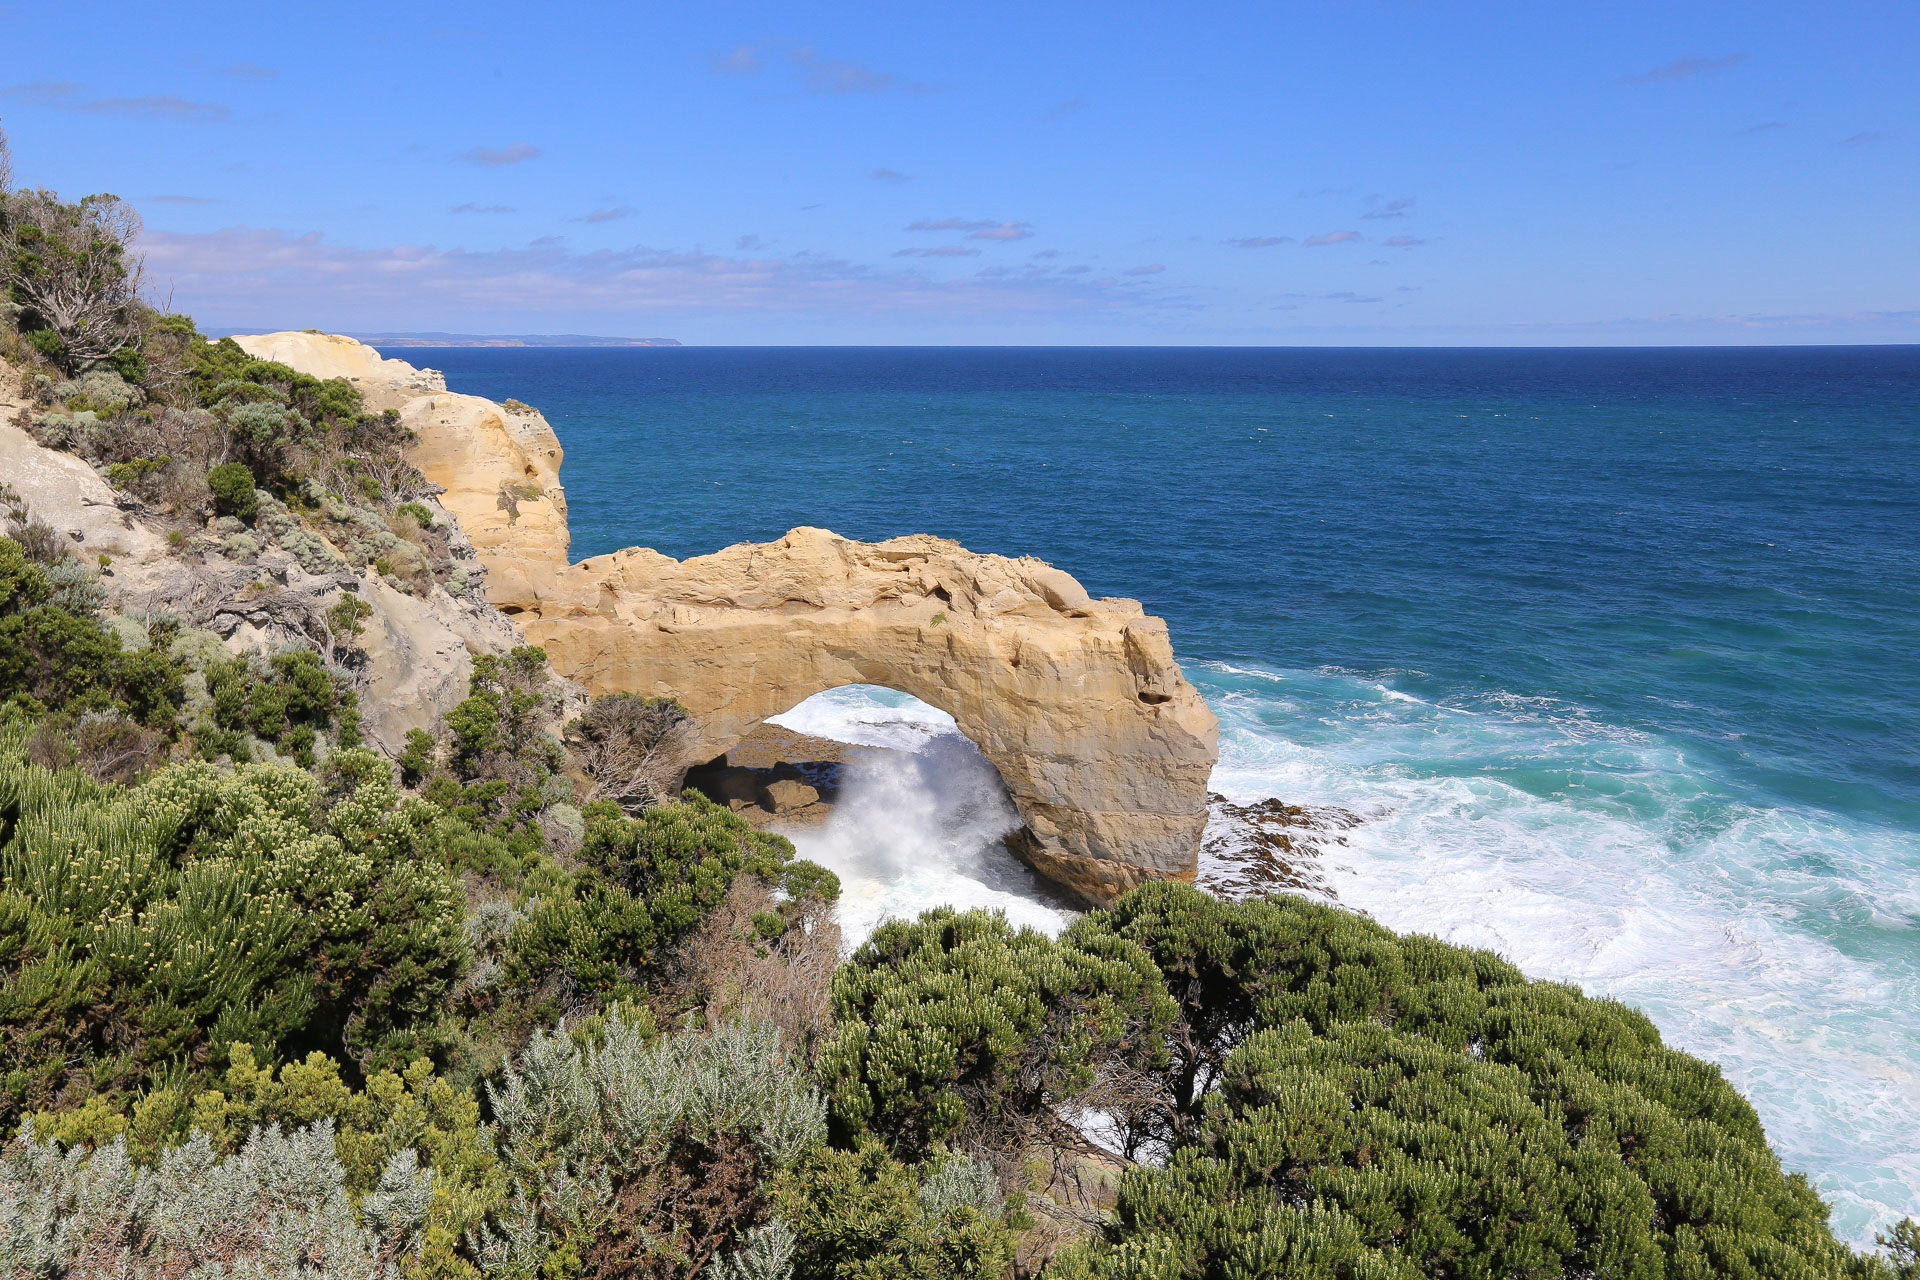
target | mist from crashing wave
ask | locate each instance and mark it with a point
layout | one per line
(921, 819)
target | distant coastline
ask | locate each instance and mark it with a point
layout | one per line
(498, 340)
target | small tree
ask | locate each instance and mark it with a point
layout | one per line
(631, 746)
(960, 1028)
(72, 270)
(233, 491)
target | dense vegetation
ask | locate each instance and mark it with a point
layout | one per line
(272, 1004)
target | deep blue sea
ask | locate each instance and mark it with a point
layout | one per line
(1618, 650)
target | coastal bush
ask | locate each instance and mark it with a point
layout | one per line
(630, 1156)
(646, 882)
(1902, 1244)
(865, 1215)
(231, 484)
(145, 929)
(57, 655)
(502, 764)
(277, 1207)
(289, 700)
(1393, 1105)
(958, 1023)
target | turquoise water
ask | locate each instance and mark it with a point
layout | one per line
(1615, 649)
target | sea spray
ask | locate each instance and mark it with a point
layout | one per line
(1757, 937)
(921, 819)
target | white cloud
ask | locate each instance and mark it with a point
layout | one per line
(1004, 231)
(243, 275)
(1685, 68)
(493, 157)
(741, 60)
(1331, 237)
(64, 95)
(821, 74)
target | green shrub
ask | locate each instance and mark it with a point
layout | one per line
(635, 1158)
(1903, 1248)
(1394, 1106)
(863, 1215)
(416, 760)
(56, 656)
(647, 882)
(959, 1023)
(289, 700)
(500, 721)
(233, 491)
(146, 928)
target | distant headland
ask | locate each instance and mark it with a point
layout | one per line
(499, 340)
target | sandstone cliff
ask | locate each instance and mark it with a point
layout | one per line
(1104, 746)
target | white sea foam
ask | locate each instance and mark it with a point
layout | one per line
(1777, 944)
(920, 819)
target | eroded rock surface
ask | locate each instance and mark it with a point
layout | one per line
(1104, 746)
(1270, 846)
(417, 649)
(386, 384)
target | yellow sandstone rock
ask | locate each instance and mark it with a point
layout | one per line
(1104, 746)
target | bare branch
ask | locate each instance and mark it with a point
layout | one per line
(632, 747)
(74, 268)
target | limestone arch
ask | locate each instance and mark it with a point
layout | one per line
(1105, 748)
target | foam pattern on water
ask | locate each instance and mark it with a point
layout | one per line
(1776, 943)
(920, 820)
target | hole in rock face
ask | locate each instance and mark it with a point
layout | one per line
(918, 817)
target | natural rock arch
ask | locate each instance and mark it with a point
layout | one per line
(1104, 746)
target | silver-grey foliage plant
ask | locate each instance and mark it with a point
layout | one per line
(277, 1208)
(574, 1120)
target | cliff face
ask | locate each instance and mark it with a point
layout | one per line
(418, 649)
(1104, 746)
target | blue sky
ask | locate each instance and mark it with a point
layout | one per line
(1387, 172)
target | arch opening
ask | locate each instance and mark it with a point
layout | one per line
(911, 815)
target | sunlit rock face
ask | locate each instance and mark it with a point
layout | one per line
(1104, 746)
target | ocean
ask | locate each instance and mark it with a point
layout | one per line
(1615, 651)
